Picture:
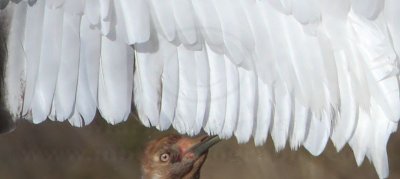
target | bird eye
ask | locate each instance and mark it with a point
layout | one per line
(164, 157)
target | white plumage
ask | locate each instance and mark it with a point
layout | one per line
(305, 71)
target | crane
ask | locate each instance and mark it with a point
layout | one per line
(303, 71)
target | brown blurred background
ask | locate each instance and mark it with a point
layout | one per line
(54, 150)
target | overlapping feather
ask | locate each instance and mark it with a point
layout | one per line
(303, 71)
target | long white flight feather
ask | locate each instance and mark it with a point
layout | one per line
(265, 111)
(115, 80)
(346, 122)
(218, 91)
(232, 98)
(203, 88)
(147, 79)
(67, 80)
(248, 106)
(170, 84)
(34, 25)
(86, 93)
(186, 107)
(50, 58)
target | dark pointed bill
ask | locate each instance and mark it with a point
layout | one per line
(200, 148)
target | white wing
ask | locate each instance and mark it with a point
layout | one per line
(304, 70)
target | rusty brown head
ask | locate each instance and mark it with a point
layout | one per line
(176, 157)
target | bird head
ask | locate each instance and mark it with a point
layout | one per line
(176, 156)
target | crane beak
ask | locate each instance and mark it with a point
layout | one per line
(202, 147)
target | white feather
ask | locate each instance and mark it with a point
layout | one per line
(163, 15)
(358, 141)
(92, 11)
(264, 113)
(306, 11)
(367, 8)
(264, 56)
(381, 132)
(301, 125)
(184, 19)
(203, 88)
(237, 35)
(218, 91)
(67, 80)
(186, 107)
(346, 122)
(147, 79)
(282, 116)
(86, 92)
(170, 85)
(391, 14)
(381, 63)
(50, 58)
(74, 7)
(285, 53)
(115, 81)
(285, 6)
(232, 99)
(34, 25)
(53, 4)
(209, 23)
(247, 108)
(106, 15)
(318, 134)
(305, 70)
(15, 68)
(76, 120)
(137, 19)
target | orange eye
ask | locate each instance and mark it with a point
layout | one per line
(164, 157)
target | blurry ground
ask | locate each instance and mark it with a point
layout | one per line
(55, 150)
